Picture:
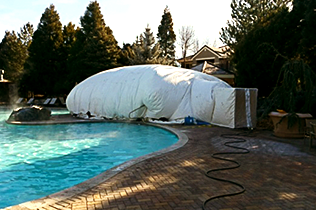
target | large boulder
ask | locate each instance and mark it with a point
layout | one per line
(34, 113)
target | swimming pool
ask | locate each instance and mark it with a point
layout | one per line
(36, 161)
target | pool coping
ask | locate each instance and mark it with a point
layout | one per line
(104, 176)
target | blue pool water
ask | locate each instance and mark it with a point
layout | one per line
(36, 161)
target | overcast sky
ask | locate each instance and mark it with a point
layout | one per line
(126, 18)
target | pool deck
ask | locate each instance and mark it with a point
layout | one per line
(277, 174)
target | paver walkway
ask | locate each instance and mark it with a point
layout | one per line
(277, 174)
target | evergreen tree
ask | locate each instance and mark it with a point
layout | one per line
(259, 57)
(69, 39)
(43, 66)
(245, 15)
(166, 36)
(147, 42)
(25, 35)
(123, 59)
(12, 56)
(145, 51)
(307, 9)
(95, 49)
(260, 54)
(259, 32)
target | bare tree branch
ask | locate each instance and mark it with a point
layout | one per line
(186, 34)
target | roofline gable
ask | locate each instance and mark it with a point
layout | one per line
(208, 48)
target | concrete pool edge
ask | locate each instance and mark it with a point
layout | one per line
(103, 177)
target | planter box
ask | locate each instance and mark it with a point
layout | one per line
(281, 130)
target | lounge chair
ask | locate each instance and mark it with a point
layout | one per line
(53, 101)
(30, 101)
(47, 101)
(19, 101)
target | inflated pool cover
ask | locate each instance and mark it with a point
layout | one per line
(147, 91)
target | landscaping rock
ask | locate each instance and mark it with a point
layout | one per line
(34, 113)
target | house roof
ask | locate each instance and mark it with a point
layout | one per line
(188, 58)
(211, 69)
(213, 50)
(221, 52)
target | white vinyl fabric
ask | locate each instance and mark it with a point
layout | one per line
(235, 107)
(154, 91)
(225, 100)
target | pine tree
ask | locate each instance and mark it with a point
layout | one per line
(123, 59)
(307, 8)
(95, 49)
(146, 51)
(245, 15)
(166, 36)
(69, 39)
(256, 62)
(26, 33)
(12, 56)
(147, 42)
(43, 66)
(260, 54)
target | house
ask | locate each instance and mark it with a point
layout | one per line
(211, 60)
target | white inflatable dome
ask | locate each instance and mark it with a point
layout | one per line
(149, 91)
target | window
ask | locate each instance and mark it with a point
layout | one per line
(207, 60)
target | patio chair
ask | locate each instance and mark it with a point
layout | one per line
(53, 101)
(307, 129)
(19, 101)
(30, 101)
(47, 101)
(312, 134)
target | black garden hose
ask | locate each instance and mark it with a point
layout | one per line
(236, 164)
(129, 115)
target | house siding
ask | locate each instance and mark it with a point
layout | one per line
(205, 55)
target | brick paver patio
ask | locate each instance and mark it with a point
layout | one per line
(277, 174)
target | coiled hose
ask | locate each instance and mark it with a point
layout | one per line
(236, 164)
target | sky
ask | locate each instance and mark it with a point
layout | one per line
(126, 18)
